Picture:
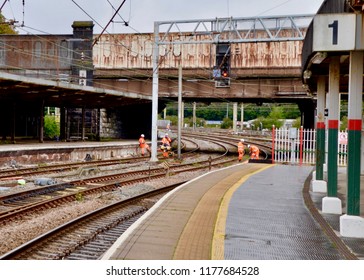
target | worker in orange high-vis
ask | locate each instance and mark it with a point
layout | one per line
(143, 145)
(166, 145)
(241, 149)
(254, 151)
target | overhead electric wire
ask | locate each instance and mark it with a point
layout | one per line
(275, 7)
(125, 22)
(2, 6)
(108, 22)
(35, 29)
(87, 14)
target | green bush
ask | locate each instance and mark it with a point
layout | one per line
(227, 123)
(51, 127)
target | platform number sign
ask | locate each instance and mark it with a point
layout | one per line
(334, 26)
(334, 32)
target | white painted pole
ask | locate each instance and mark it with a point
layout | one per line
(242, 116)
(179, 111)
(194, 115)
(155, 94)
(235, 115)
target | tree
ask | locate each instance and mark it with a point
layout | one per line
(274, 118)
(219, 111)
(6, 27)
(297, 123)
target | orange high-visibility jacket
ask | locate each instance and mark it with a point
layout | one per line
(141, 142)
(240, 147)
(254, 149)
(166, 140)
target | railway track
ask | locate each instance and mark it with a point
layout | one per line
(263, 143)
(58, 168)
(72, 166)
(15, 206)
(90, 235)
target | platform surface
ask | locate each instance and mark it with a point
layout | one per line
(247, 211)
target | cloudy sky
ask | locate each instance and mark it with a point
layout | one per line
(57, 16)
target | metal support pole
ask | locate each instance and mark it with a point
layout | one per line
(155, 94)
(98, 133)
(235, 115)
(179, 110)
(242, 116)
(320, 127)
(41, 122)
(354, 132)
(83, 123)
(194, 115)
(333, 125)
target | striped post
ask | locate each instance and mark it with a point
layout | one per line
(333, 126)
(320, 128)
(354, 132)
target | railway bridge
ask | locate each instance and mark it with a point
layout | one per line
(104, 84)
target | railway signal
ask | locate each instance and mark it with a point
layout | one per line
(221, 72)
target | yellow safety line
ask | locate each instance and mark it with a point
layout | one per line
(218, 239)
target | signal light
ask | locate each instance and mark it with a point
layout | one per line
(223, 60)
(225, 70)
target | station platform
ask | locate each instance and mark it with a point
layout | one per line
(24, 145)
(27, 152)
(247, 211)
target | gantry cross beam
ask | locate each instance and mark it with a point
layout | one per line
(235, 30)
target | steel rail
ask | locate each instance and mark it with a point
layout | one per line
(33, 245)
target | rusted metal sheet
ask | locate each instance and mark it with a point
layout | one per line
(28, 52)
(135, 51)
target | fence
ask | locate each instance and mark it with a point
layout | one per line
(298, 146)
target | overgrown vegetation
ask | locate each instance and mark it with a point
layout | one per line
(51, 127)
(227, 123)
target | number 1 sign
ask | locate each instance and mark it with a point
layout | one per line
(334, 32)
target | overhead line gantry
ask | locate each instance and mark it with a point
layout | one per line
(221, 30)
